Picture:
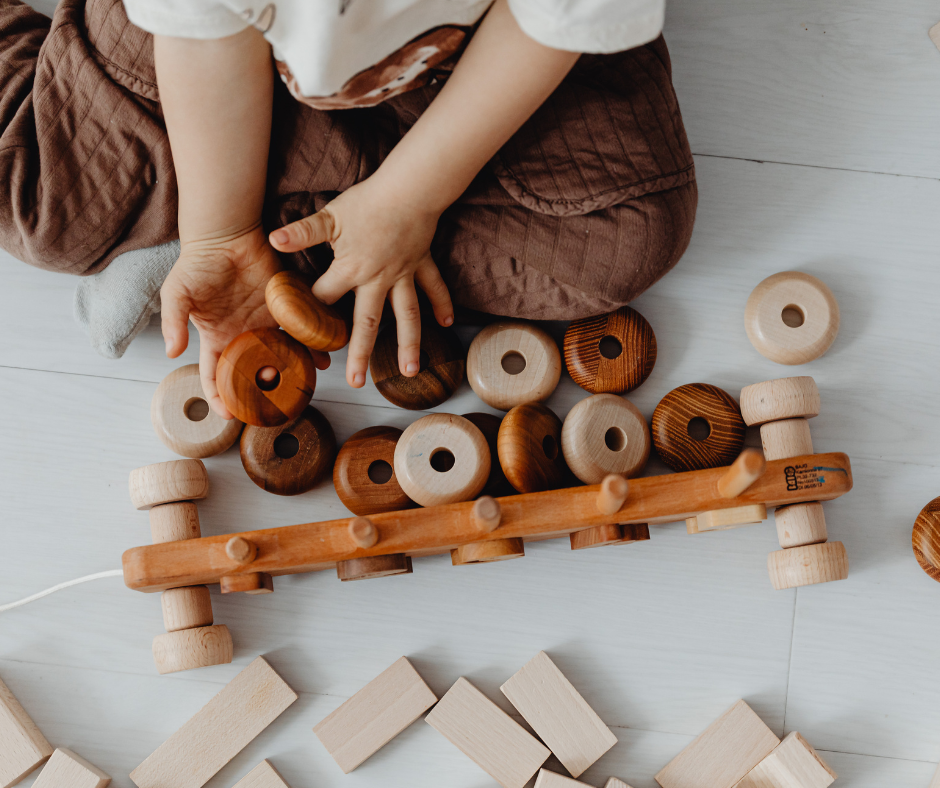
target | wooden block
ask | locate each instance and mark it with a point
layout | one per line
(603, 535)
(805, 566)
(529, 448)
(187, 649)
(702, 406)
(442, 458)
(168, 482)
(486, 552)
(483, 732)
(68, 770)
(723, 753)
(791, 318)
(375, 715)
(264, 775)
(793, 764)
(547, 779)
(218, 731)
(605, 434)
(22, 747)
(610, 353)
(247, 583)
(613, 782)
(511, 362)
(744, 471)
(558, 714)
(371, 567)
(785, 439)
(289, 459)
(723, 519)
(934, 34)
(784, 398)
(302, 315)
(186, 608)
(174, 522)
(364, 473)
(800, 524)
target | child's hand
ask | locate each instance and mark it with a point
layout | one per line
(381, 246)
(219, 285)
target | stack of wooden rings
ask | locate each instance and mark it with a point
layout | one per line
(781, 408)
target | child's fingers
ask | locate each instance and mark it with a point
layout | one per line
(174, 320)
(370, 299)
(432, 283)
(332, 286)
(208, 361)
(408, 318)
(302, 234)
(320, 359)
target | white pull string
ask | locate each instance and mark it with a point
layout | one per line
(67, 584)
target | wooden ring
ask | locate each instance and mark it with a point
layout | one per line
(186, 649)
(611, 353)
(441, 371)
(808, 565)
(529, 446)
(248, 398)
(364, 473)
(497, 486)
(487, 552)
(292, 458)
(372, 567)
(605, 434)
(302, 315)
(925, 539)
(247, 583)
(168, 482)
(791, 318)
(184, 421)
(603, 535)
(673, 427)
(784, 398)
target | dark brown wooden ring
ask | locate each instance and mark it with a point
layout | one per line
(237, 377)
(591, 355)
(925, 539)
(529, 448)
(673, 420)
(375, 566)
(292, 458)
(497, 485)
(363, 461)
(443, 363)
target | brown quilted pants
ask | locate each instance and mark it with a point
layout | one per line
(591, 201)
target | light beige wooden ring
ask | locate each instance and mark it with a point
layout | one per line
(784, 398)
(783, 439)
(192, 648)
(511, 362)
(801, 524)
(791, 318)
(174, 522)
(808, 565)
(168, 482)
(186, 608)
(487, 552)
(184, 421)
(605, 434)
(442, 458)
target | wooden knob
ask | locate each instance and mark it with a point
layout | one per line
(486, 513)
(529, 446)
(497, 485)
(187, 649)
(784, 439)
(613, 494)
(241, 550)
(292, 458)
(186, 608)
(925, 539)
(603, 535)
(511, 362)
(744, 471)
(805, 566)
(243, 389)
(442, 459)
(611, 353)
(801, 524)
(168, 482)
(247, 583)
(698, 426)
(364, 472)
(605, 434)
(791, 318)
(363, 532)
(487, 552)
(441, 371)
(784, 398)
(302, 315)
(373, 567)
(174, 522)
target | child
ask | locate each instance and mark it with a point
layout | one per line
(453, 144)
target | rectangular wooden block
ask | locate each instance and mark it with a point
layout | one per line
(487, 735)
(375, 715)
(723, 519)
(558, 714)
(68, 770)
(22, 746)
(793, 764)
(219, 731)
(547, 779)
(723, 753)
(264, 775)
(613, 782)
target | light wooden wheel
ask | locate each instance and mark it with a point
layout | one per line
(605, 434)
(168, 482)
(791, 318)
(487, 552)
(192, 648)
(511, 362)
(441, 459)
(604, 535)
(783, 439)
(372, 567)
(804, 566)
(186, 608)
(784, 398)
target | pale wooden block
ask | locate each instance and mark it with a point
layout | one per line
(375, 715)
(487, 735)
(935, 34)
(264, 775)
(935, 782)
(723, 753)
(22, 746)
(68, 770)
(547, 779)
(793, 764)
(722, 519)
(613, 782)
(558, 714)
(219, 731)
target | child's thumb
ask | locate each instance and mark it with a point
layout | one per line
(174, 320)
(306, 232)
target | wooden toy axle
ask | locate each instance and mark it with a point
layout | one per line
(440, 529)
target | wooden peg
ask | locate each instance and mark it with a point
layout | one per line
(252, 583)
(364, 472)
(241, 550)
(186, 608)
(804, 566)
(187, 649)
(174, 522)
(610, 353)
(512, 362)
(65, 769)
(363, 532)
(168, 482)
(23, 748)
(529, 448)
(487, 552)
(800, 524)
(302, 315)
(723, 519)
(784, 439)
(603, 535)
(486, 513)
(791, 318)
(794, 763)
(744, 471)
(372, 567)
(784, 398)
(612, 494)
(264, 775)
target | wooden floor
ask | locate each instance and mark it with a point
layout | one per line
(816, 128)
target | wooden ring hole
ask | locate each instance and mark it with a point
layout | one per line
(268, 378)
(550, 447)
(513, 362)
(442, 460)
(286, 446)
(380, 472)
(615, 439)
(196, 409)
(792, 316)
(610, 347)
(699, 429)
